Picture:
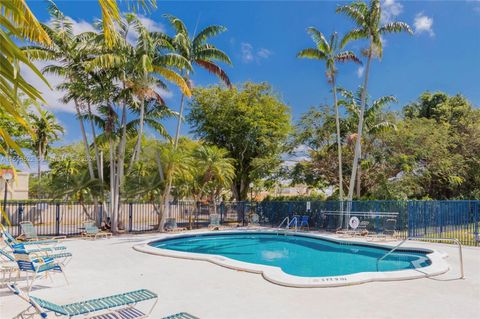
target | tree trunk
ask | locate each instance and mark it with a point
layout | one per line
(359, 173)
(112, 179)
(179, 122)
(339, 142)
(138, 145)
(95, 146)
(360, 127)
(85, 141)
(119, 171)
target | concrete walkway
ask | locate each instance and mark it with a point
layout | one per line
(105, 267)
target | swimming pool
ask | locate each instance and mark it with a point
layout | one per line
(299, 258)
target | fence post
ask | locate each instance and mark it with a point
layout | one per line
(57, 219)
(20, 218)
(221, 212)
(243, 213)
(130, 216)
(476, 208)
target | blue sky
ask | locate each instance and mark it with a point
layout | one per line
(264, 37)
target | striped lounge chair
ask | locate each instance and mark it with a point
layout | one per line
(29, 233)
(119, 306)
(36, 265)
(33, 246)
(8, 266)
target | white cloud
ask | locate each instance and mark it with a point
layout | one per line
(151, 25)
(423, 23)
(390, 10)
(264, 53)
(78, 26)
(51, 96)
(360, 71)
(81, 26)
(249, 54)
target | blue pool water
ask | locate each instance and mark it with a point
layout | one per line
(296, 255)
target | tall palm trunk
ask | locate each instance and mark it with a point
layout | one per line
(119, 169)
(168, 187)
(138, 145)
(339, 142)
(85, 141)
(359, 173)
(39, 160)
(360, 125)
(95, 146)
(179, 122)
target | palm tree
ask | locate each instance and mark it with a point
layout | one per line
(215, 171)
(68, 53)
(330, 52)
(20, 23)
(367, 26)
(146, 60)
(373, 123)
(47, 130)
(196, 51)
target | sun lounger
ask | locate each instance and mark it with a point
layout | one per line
(171, 225)
(181, 315)
(29, 233)
(214, 222)
(116, 306)
(387, 232)
(31, 246)
(34, 264)
(92, 231)
(361, 230)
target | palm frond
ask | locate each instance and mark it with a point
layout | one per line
(319, 39)
(395, 27)
(173, 77)
(347, 56)
(312, 53)
(209, 53)
(355, 34)
(206, 33)
(215, 69)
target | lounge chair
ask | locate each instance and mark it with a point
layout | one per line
(7, 266)
(120, 306)
(171, 225)
(387, 232)
(31, 246)
(361, 230)
(29, 233)
(254, 220)
(63, 256)
(92, 231)
(214, 222)
(34, 264)
(303, 224)
(181, 315)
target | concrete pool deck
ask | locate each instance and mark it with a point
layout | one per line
(206, 290)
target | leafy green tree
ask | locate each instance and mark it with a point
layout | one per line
(367, 26)
(250, 122)
(330, 52)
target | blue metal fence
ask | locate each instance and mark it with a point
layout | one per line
(435, 219)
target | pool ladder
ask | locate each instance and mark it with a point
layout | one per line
(455, 240)
(288, 223)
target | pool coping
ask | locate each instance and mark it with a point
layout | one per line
(276, 275)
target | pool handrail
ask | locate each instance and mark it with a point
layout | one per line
(455, 240)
